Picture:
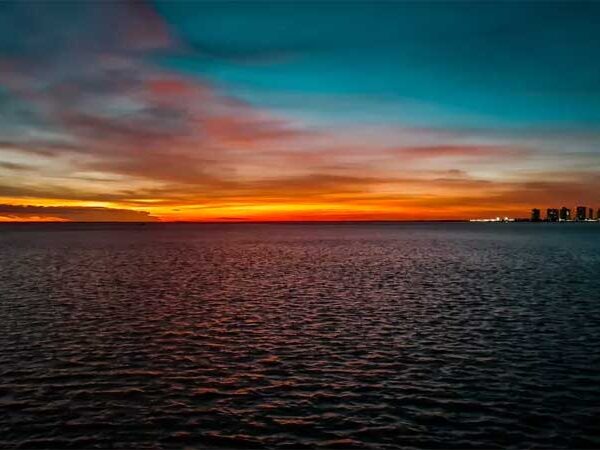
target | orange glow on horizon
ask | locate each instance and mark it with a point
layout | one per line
(7, 219)
(343, 202)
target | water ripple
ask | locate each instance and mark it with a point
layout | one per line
(290, 336)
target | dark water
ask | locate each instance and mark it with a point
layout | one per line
(298, 336)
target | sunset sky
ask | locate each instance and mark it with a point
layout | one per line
(297, 111)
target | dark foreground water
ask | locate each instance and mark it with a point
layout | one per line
(298, 336)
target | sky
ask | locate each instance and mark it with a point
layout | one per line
(234, 111)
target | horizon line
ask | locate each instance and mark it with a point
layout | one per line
(219, 222)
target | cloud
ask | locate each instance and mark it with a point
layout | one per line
(483, 152)
(124, 115)
(73, 213)
(14, 166)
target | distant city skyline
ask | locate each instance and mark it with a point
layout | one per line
(582, 213)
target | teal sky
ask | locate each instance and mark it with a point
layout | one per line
(429, 63)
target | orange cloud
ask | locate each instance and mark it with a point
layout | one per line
(459, 151)
(71, 213)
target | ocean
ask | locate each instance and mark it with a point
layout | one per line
(373, 335)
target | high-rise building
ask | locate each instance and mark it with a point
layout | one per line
(536, 215)
(598, 214)
(581, 212)
(591, 214)
(552, 215)
(565, 213)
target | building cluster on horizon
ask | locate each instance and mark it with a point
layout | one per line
(582, 214)
(493, 219)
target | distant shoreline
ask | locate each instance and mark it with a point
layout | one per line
(285, 222)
